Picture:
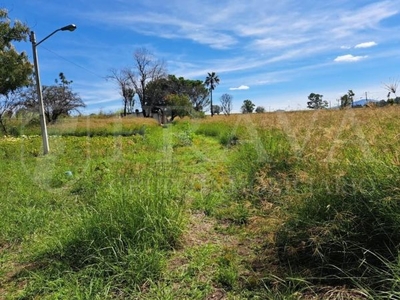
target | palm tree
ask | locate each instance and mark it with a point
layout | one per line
(211, 81)
(392, 88)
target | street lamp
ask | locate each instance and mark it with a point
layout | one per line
(32, 39)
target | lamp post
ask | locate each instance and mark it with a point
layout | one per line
(32, 39)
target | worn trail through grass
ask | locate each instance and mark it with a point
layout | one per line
(216, 251)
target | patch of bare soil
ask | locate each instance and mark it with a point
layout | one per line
(201, 229)
(218, 294)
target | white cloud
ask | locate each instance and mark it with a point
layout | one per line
(242, 87)
(366, 45)
(349, 58)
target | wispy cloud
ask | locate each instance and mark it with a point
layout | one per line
(366, 45)
(242, 87)
(266, 44)
(349, 58)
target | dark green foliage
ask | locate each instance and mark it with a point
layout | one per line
(15, 68)
(176, 96)
(347, 99)
(248, 107)
(315, 101)
(260, 109)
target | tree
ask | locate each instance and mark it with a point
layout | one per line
(146, 69)
(178, 105)
(58, 99)
(126, 89)
(159, 91)
(392, 89)
(211, 82)
(226, 104)
(9, 106)
(247, 107)
(260, 109)
(347, 100)
(316, 102)
(194, 89)
(216, 109)
(15, 68)
(197, 93)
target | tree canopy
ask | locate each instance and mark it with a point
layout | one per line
(15, 68)
(212, 80)
(247, 107)
(148, 80)
(260, 109)
(315, 101)
(58, 99)
(347, 99)
(171, 93)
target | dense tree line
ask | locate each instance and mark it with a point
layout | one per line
(159, 92)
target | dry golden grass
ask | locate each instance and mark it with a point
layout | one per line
(324, 134)
(91, 123)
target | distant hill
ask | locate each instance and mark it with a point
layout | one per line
(362, 102)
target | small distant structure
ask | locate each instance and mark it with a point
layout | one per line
(157, 113)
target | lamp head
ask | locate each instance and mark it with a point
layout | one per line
(70, 27)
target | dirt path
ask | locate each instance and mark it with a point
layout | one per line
(214, 254)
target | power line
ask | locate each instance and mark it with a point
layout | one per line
(75, 64)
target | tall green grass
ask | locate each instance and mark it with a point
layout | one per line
(312, 197)
(97, 216)
(331, 177)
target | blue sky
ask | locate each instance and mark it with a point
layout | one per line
(274, 53)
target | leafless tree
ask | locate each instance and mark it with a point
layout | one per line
(59, 99)
(146, 69)
(226, 104)
(126, 89)
(8, 106)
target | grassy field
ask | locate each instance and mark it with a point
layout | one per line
(289, 205)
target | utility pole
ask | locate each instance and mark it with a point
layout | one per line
(43, 126)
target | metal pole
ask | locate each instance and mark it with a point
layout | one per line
(40, 96)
